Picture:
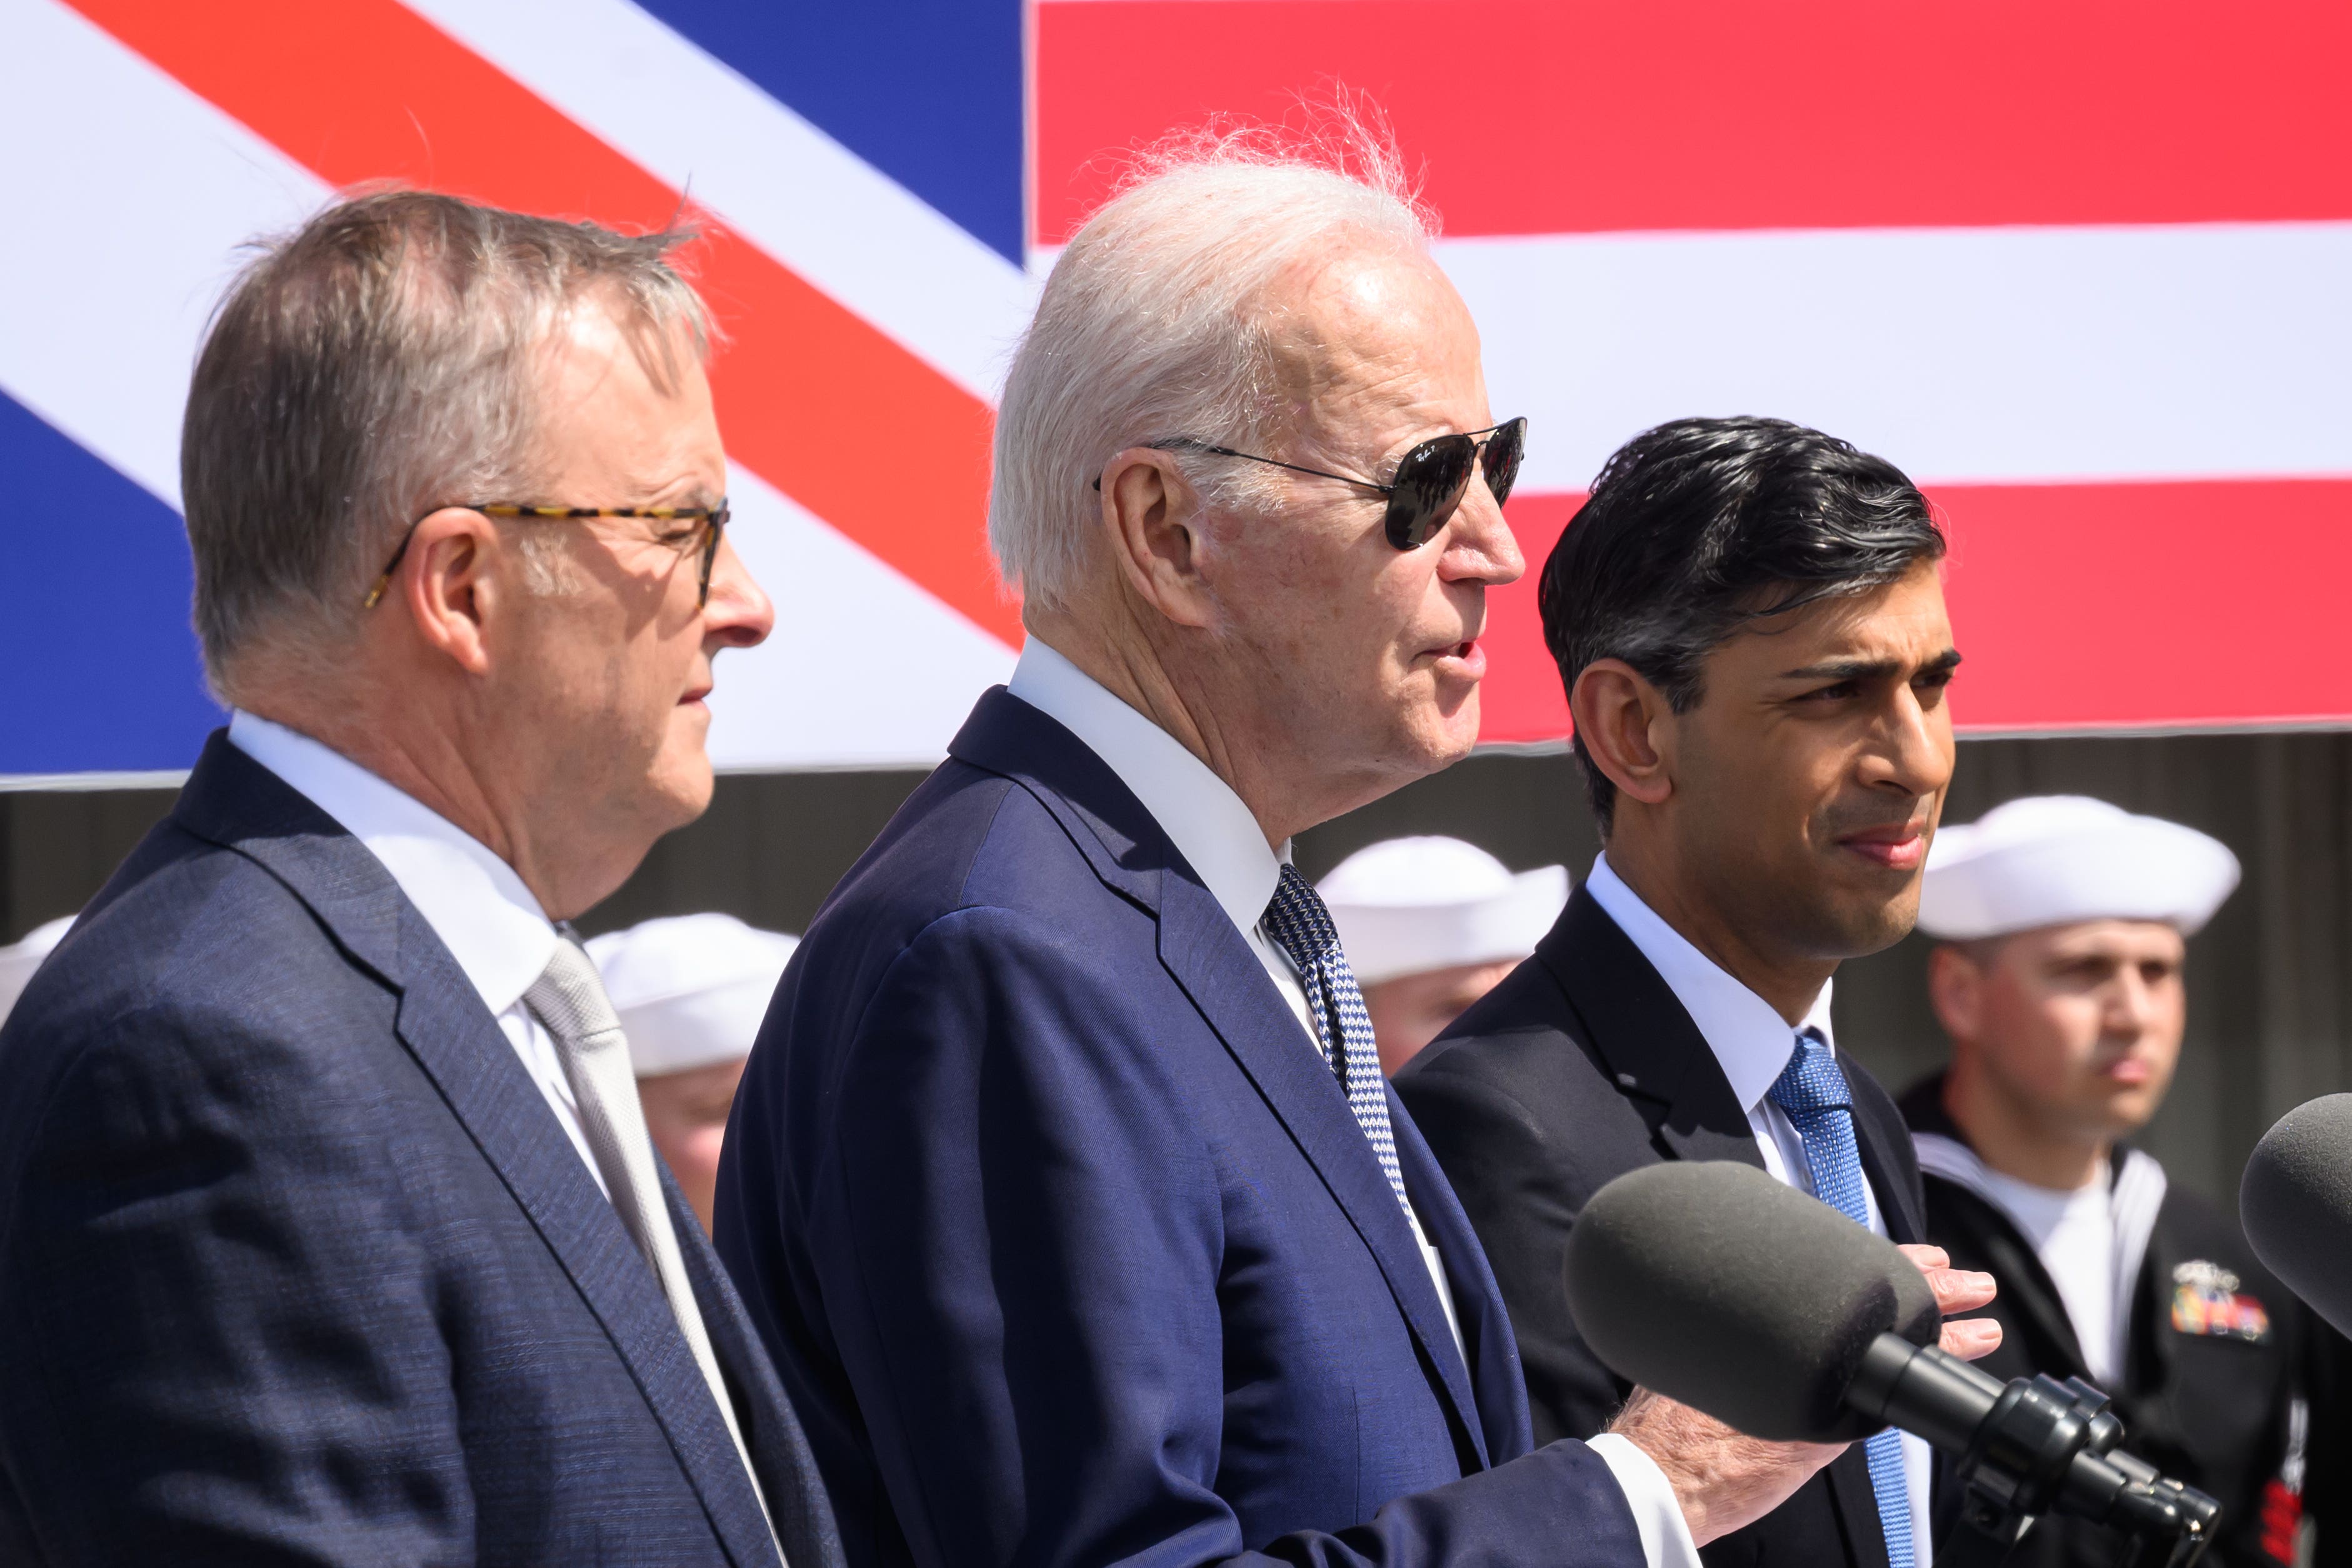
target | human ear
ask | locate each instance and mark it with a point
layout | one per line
(447, 587)
(1149, 521)
(1627, 727)
(1956, 990)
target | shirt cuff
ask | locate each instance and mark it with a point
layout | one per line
(1658, 1518)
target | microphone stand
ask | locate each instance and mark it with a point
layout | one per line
(2043, 1444)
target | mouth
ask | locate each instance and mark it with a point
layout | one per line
(1900, 846)
(693, 698)
(1463, 661)
(2127, 1072)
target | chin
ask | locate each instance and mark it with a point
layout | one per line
(684, 780)
(1443, 734)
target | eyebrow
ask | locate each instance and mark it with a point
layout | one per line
(1870, 669)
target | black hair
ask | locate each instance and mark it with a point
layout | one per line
(1701, 525)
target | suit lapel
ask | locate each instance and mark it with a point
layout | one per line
(1663, 1064)
(797, 1504)
(1487, 1339)
(1217, 969)
(1654, 1053)
(232, 801)
(443, 1023)
(1884, 1141)
(1208, 958)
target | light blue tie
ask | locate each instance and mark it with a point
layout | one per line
(1812, 1090)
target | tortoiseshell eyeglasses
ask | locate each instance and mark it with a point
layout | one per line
(709, 524)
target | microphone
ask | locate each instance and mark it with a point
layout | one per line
(2295, 1203)
(1714, 1284)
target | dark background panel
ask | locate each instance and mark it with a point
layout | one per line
(2270, 1011)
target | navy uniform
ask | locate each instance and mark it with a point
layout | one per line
(2146, 1291)
(2209, 1380)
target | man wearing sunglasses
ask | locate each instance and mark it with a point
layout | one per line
(1063, 1180)
(331, 1230)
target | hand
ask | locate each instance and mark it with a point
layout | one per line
(1958, 1290)
(1723, 1479)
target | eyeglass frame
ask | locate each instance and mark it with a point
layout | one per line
(1388, 492)
(717, 517)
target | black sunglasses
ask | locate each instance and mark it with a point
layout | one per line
(1431, 479)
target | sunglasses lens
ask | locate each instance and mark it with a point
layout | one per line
(1428, 487)
(1501, 458)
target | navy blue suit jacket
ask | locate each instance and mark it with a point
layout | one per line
(1067, 1243)
(297, 1265)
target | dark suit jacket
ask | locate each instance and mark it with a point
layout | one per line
(1577, 1068)
(1067, 1242)
(297, 1265)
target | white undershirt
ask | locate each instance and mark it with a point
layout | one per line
(474, 902)
(2073, 1234)
(1752, 1043)
(1220, 838)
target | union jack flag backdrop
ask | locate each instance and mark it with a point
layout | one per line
(2084, 268)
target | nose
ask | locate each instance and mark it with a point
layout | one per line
(1479, 545)
(1916, 753)
(739, 613)
(2131, 1004)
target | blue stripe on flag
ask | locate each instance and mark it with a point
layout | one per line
(100, 667)
(929, 91)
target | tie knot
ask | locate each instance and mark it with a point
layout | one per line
(1813, 1080)
(569, 994)
(1297, 919)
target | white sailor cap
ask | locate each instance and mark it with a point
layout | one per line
(1409, 905)
(2054, 860)
(690, 988)
(20, 958)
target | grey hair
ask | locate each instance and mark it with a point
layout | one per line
(375, 364)
(1161, 320)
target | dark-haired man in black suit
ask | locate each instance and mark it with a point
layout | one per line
(1748, 621)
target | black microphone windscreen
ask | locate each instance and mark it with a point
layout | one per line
(2295, 1203)
(1712, 1283)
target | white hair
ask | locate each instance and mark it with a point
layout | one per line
(1158, 322)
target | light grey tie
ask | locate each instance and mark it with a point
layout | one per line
(569, 998)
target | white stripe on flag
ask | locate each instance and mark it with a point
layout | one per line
(786, 186)
(134, 194)
(2175, 352)
(864, 669)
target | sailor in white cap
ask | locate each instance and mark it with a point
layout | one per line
(1430, 924)
(690, 991)
(21, 957)
(2064, 924)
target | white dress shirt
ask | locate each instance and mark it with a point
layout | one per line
(1219, 837)
(473, 900)
(1752, 1043)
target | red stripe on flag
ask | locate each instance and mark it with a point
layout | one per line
(1553, 116)
(815, 400)
(2076, 607)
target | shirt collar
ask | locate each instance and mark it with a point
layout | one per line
(1199, 811)
(473, 900)
(1750, 1039)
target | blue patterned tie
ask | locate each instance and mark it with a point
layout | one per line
(1812, 1090)
(1297, 921)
